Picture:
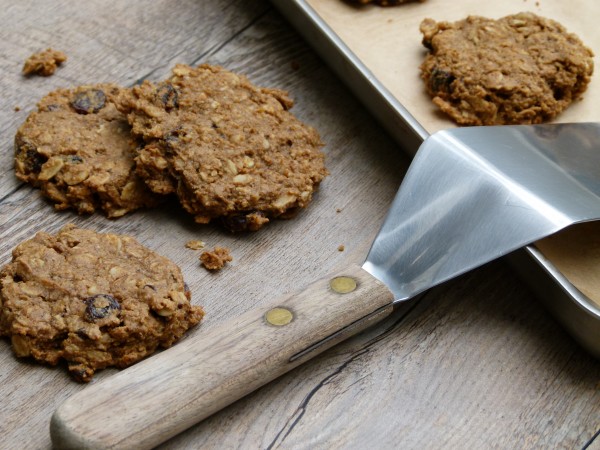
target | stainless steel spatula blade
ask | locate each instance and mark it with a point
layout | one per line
(470, 196)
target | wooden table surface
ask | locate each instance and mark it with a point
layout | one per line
(477, 363)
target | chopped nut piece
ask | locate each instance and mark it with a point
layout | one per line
(284, 201)
(242, 179)
(51, 168)
(230, 167)
(44, 63)
(195, 244)
(216, 259)
(20, 345)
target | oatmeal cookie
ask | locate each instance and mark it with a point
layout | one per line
(520, 69)
(77, 147)
(227, 148)
(94, 300)
(43, 63)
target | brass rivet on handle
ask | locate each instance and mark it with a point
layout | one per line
(343, 285)
(279, 316)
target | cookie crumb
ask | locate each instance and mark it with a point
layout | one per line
(341, 248)
(195, 244)
(17, 108)
(339, 210)
(216, 259)
(44, 63)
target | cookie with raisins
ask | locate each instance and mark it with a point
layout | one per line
(94, 300)
(78, 149)
(520, 69)
(228, 149)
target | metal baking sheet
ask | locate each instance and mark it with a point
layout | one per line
(377, 51)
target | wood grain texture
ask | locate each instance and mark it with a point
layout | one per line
(477, 362)
(157, 398)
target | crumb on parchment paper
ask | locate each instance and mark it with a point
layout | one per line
(215, 259)
(44, 63)
(341, 248)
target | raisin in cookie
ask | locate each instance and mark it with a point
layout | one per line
(519, 69)
(77, 147)
(94, 300)
(227, 148)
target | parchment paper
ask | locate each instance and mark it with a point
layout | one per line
(575, 251)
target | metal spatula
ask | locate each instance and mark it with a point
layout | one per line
(471, 195)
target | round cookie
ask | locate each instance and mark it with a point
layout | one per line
(79, 150)
(227, 148)
(95, 300)
(520, 69)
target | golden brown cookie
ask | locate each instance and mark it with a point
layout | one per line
(79, 150)
(43, 63)
(94, 300)
(227, 148)
(519, 69)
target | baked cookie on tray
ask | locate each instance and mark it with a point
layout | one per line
(227, 148)
(520, 69)
(77, 147)
(94, 300)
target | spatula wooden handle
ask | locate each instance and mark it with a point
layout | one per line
(161, 396)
